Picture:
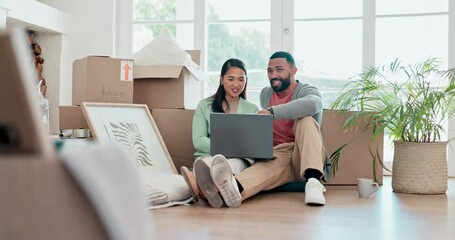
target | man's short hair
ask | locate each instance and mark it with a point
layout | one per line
(285, 55)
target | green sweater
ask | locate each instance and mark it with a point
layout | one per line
(201, 124)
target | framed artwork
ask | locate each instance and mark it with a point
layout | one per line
(133, 128)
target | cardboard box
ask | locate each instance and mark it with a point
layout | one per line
(355, 161)
(102, 79)
(171, 86)
(175, 126)
(71, 117)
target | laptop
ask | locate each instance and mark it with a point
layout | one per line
(242, 135)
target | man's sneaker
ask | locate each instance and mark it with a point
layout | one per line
(206, 184)
(314, 192)
(225, 182)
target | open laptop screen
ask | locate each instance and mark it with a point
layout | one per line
(241, 135)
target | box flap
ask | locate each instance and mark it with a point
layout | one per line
(168, 71)
(157, 71)
(198, 74)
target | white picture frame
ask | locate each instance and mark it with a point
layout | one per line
(133, 128)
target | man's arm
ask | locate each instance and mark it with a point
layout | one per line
(307, 103)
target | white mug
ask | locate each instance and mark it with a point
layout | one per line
(366, 187)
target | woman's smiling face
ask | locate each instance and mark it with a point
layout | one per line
(233, 82)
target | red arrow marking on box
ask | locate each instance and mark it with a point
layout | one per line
(127, 69)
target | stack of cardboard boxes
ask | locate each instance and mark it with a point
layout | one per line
(171, 92)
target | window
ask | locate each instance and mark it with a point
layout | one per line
(150, 17)
(238, 33)
(328, 43)
(411, 30)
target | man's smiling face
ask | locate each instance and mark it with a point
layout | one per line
(279, 72)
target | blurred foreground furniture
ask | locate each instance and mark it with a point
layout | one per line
(40, 200)
(93, 193)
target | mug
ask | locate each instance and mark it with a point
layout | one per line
(366, 187)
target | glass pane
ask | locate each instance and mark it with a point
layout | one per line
(159, 10)
(411, 6)
(238, 9)
(249, 42)
(143, 34)
(318, 9)
(412, 39)
(327, 53)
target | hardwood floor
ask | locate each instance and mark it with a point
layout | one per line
(282, 216)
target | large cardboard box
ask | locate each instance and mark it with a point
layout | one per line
(167, 86)
(102, 79)
(356, 160)
(175, 126)
(71, 117)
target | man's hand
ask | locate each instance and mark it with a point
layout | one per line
(264, 111)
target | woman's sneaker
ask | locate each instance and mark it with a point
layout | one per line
(190, 180)
(206, 184)
(225, 182)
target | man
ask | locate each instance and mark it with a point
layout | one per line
(297, 140)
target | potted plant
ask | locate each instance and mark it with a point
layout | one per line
(411, 103)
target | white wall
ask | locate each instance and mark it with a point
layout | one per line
(68, 30)
(3, 14)
(5, 5)
(451, 52)
(40, 15)
(90, 33)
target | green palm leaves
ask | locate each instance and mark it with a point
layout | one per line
(410, 101)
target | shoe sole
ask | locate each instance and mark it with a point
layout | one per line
(191, 182)
(312, 200)
(223, 179)
(206, 184)
(314, 203)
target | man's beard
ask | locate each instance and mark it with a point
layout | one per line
(285, 83)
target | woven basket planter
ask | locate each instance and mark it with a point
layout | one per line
(420, 168)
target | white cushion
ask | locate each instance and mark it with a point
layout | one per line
(163, 189)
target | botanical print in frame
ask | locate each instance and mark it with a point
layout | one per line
(132, 127)
(127, 134)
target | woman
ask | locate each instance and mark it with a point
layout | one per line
(230, 97)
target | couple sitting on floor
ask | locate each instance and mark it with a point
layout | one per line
(297, 139)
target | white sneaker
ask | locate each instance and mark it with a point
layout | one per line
(314, 192)
(224, 180)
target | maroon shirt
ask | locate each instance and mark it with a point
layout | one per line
(282, 129)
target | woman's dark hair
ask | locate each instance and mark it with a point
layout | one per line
(220, 95)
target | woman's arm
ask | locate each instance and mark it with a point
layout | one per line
(201, 139)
